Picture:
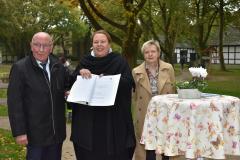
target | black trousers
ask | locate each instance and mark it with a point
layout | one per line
(182, 65)
(53, 152)
(151, 155)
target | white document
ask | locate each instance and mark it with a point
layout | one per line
(95, 91)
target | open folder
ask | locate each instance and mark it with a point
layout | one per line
(95, 91)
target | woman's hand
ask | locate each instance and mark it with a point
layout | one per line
(85, 73)
(101, 75)
(67, 94)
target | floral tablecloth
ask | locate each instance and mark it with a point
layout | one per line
(206, 127)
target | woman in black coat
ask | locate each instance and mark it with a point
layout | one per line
(104, 133)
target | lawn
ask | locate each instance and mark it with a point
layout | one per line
(3, 93)
(178, 66)
(9, 149)
(177, 73)
(3, 108)
(224, 83)
(5, 69)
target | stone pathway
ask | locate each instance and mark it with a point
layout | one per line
(3, 101)
(3, 85)
(67, 149)
(184, 76)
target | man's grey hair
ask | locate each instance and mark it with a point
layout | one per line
(149, 43)
(42, 32)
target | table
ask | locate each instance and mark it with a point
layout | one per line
(206, 127)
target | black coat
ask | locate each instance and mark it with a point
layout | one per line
(120, 130)
(182, 61)
(35, 107)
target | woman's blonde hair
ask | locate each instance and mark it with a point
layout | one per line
(149, 43)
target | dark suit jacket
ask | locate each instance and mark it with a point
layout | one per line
(36, 107)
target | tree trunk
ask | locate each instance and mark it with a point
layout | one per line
(82, 47)
(8, 49)
(88, 42)
(175, 40)
(130, 52)
(64, 50)
(78, 50)
(25, 44)
(220, 38)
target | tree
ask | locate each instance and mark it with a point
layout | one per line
(59, 19)
(130, 30)
(202, 16)
(226, 11)
(163, 17)
(8, 23)
(42, 15)
(8, 19)
(220, 37)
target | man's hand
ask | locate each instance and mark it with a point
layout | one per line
(22, 140)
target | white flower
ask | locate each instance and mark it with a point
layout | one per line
(204, 73)
(198, 72)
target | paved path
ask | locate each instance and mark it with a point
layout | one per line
(3, 85)
(3, 101)
(184, 76)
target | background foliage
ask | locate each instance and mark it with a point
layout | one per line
(130, 23)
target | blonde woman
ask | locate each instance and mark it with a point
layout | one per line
(152, 78)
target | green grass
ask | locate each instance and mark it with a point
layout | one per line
(5, 69)
(178, 66)
(9, 149)
(3, 110)
(177, 73)
(3, 93)
(224, 83)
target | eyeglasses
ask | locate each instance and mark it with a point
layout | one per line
(148, 52)
(45, 46)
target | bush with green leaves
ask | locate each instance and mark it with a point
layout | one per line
(191, 84)
(195, 82)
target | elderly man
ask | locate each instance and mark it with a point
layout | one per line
(36, 101)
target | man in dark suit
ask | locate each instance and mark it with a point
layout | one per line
(36, 101)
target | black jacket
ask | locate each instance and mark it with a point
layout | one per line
(35, 107)
(120, 130)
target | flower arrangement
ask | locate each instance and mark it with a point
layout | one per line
(195, 82)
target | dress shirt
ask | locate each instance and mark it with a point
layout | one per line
(47, 67)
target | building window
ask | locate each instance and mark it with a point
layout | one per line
(67, 42)
(58, 51)
(67, 34)
(67, 51)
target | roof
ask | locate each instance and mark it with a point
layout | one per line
(230, 37)
(211, 48)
